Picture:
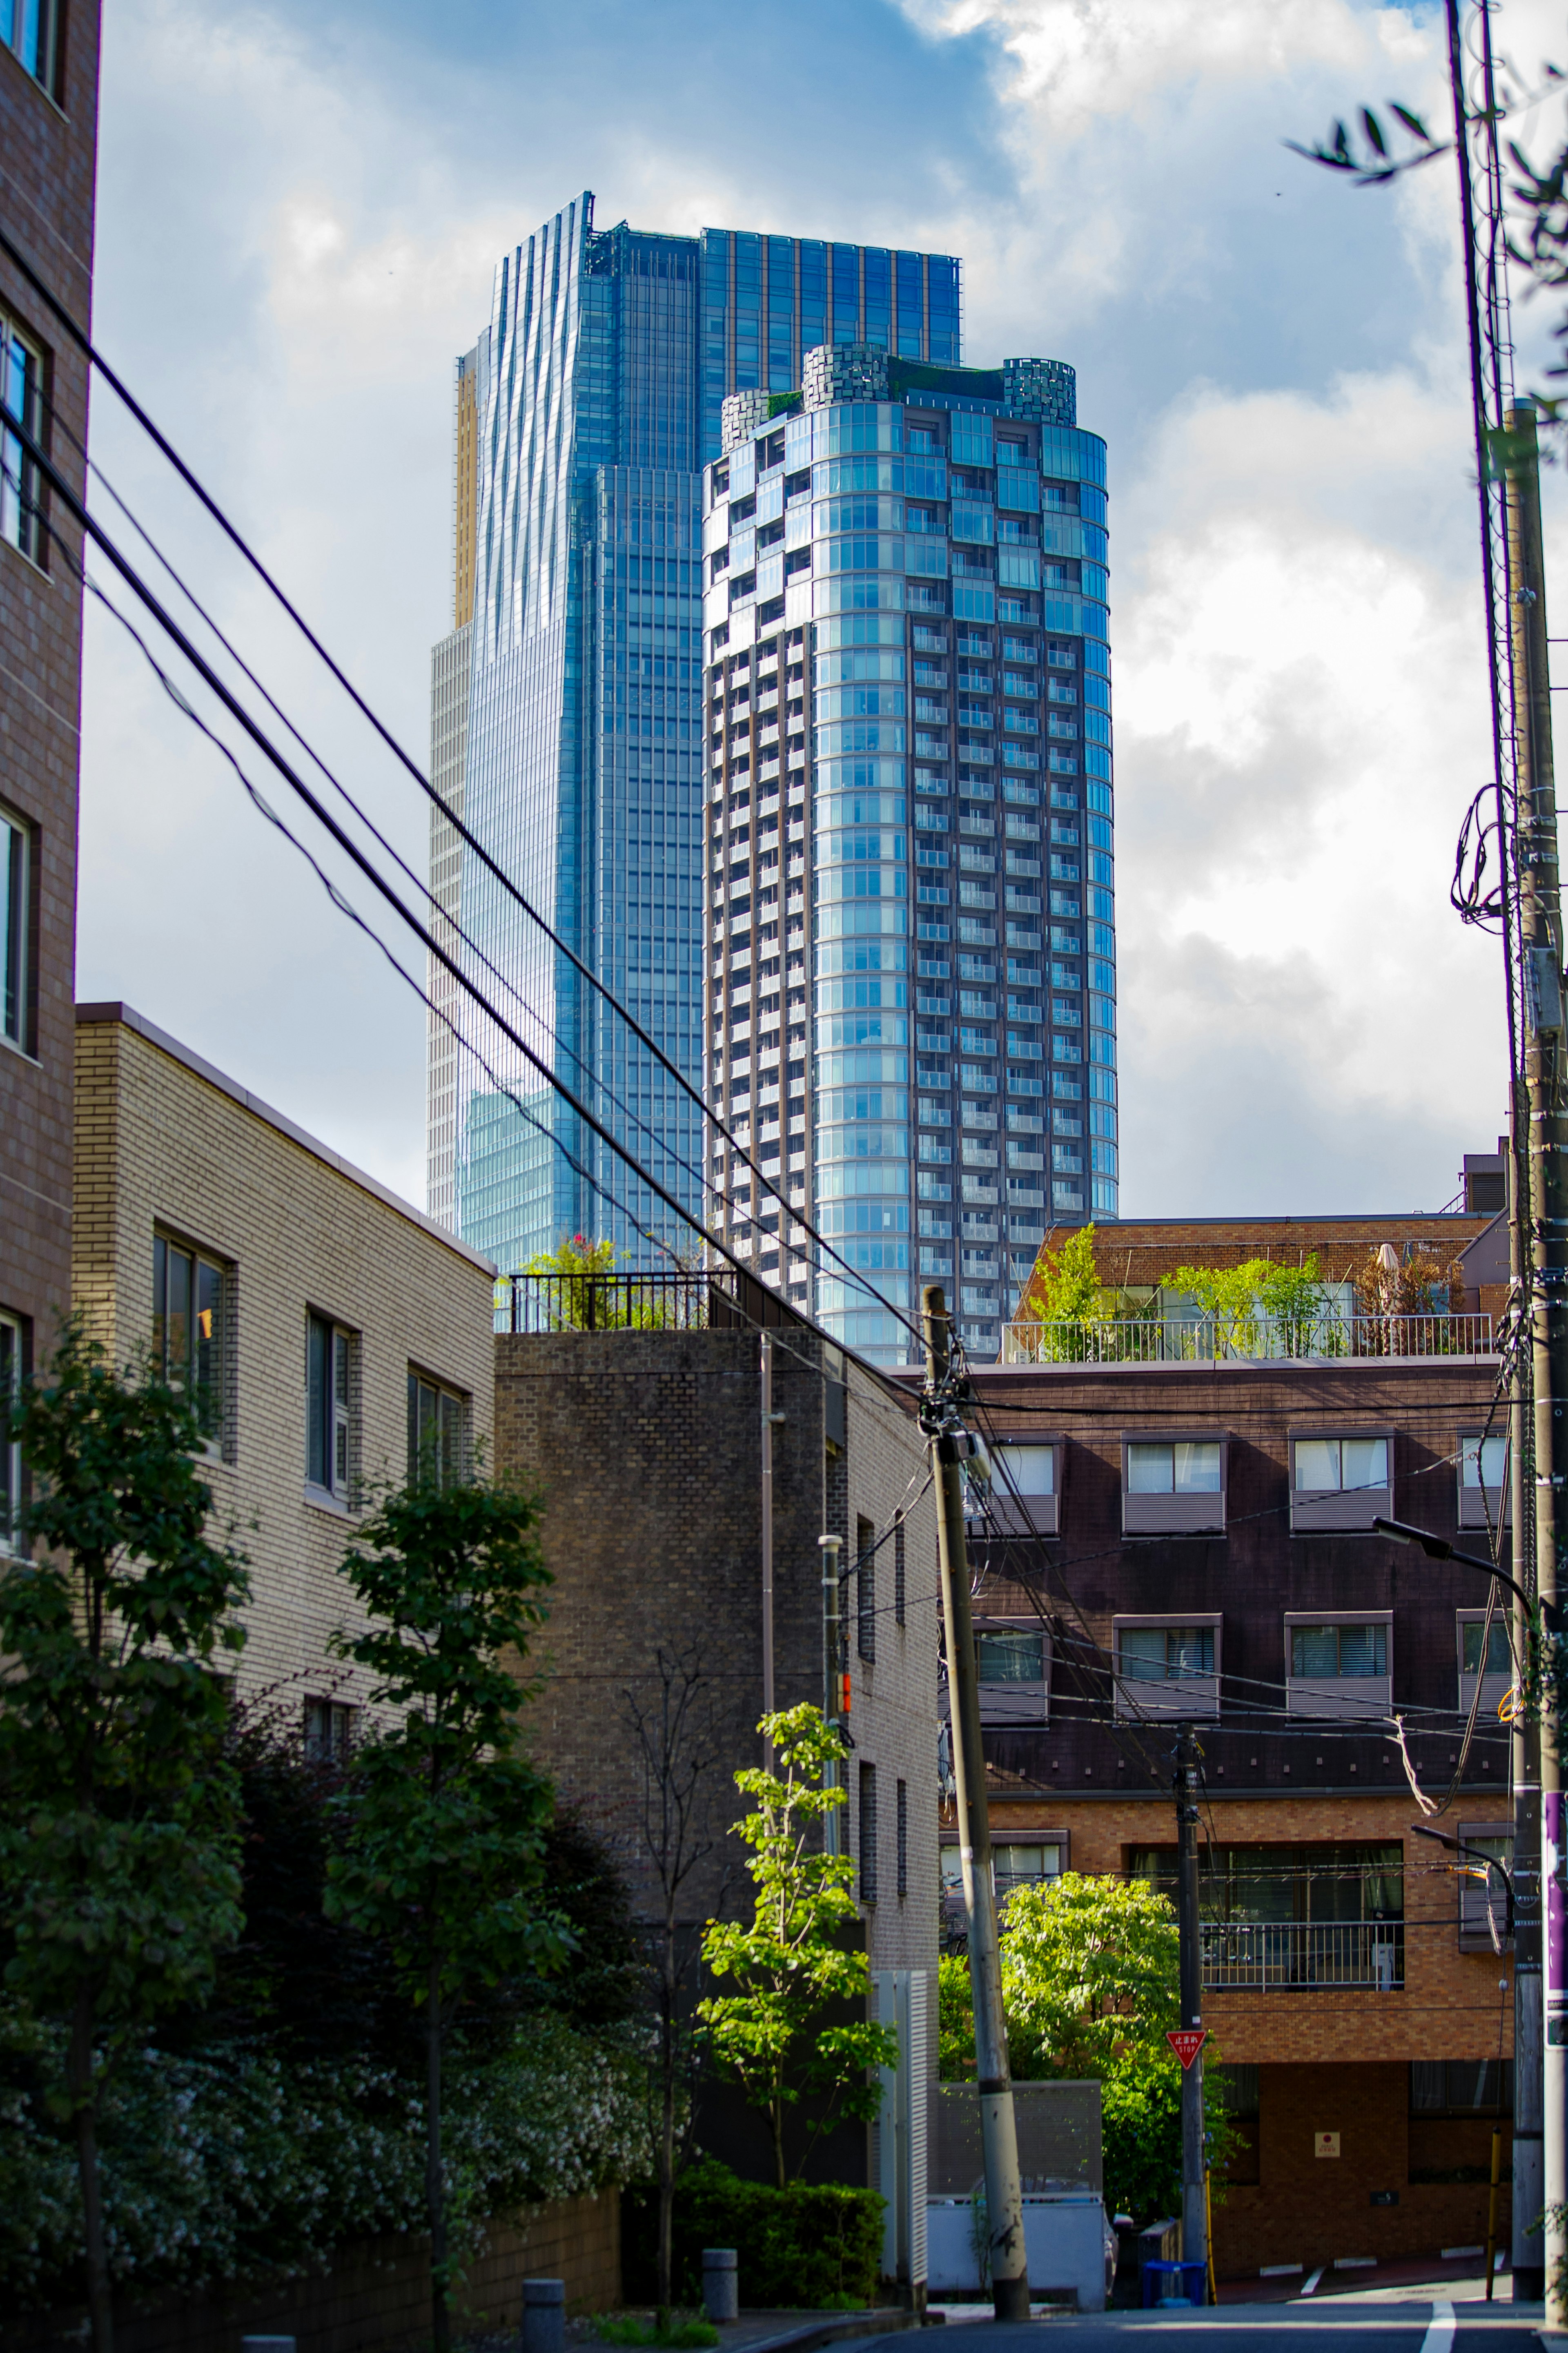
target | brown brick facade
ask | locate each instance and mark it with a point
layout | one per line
(47, 165)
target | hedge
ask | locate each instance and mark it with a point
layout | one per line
(811, 2245)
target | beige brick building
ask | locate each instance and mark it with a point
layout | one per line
(312, 1311)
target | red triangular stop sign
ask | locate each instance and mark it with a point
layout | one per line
(1187, 2041)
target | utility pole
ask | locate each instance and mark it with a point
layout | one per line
(832, 1682)
(998, 2128)
(767, 1389)
(1195, 2215)
(1544, 1240)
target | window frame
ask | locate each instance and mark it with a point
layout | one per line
(449, 1473)
(1322, 1695)
(25, 507)
(13, 1473)
(1473, 1933)
(341, 1720)
(1474, 1503)
(865, 1827)
(1333, 1511)
(339, 1417)
(1194, 1696)
(949, 1881)
(865, 1588)
(1494, 1684)
(1027, 1701)
(18, 978)
(216, 1429)
(1202, 1514)
(1038, 1515)
(51, 43)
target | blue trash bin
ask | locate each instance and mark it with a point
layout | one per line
(1190, 2280)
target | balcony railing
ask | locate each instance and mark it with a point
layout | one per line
(678, 1302)
(1304, 1955)
(1214, 1339)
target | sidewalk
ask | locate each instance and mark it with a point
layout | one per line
(1399, 2279)
(774, 2332)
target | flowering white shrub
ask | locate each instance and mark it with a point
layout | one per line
(235, 2164)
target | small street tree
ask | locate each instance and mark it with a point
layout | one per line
(445, 1817)
(678, 1749)
(120, 1874)
(791, 1966)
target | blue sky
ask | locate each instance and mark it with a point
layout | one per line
(300, 211)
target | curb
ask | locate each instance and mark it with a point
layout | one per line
(832, 2332)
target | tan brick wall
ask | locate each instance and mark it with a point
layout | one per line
(162, 1144)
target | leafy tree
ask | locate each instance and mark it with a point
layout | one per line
(1065, 1295)
(1091, 1982)
(445, 1818)
(790, 1965)
(119, 1862)
(1244, 1301)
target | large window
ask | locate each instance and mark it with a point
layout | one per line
(329, 1365)
(867, 1833)
(1013, 1667)
(22, 398)
(1484, 1652)
(1173, 1486)
(188, 1329)
(1483, 1893)
(865, 1588)
(1294, 1916)
(31, 30)
(11, 1370)
(1339, 1666)
(16, 882)
(1026, 1494)
(1167, 1669)
(1340, 1481)
(437, 1430)
(1483, 1479)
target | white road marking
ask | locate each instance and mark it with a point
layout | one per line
(1439, 2336)
(1312, 2282)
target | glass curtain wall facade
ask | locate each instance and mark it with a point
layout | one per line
(571, 740)
(911, 977)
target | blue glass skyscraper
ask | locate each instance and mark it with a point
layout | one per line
(911, 1012)
(566, 704)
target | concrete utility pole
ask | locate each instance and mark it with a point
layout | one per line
(998, 2128)
(832, 1681)
(1194, 2213)
(1544, 1240)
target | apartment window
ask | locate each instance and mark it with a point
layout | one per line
(1483, 1893)
(1461, 2087)
(1339, 1666)
(1340, 1481)
(1025, 1494)
(22, 396)
(437, 1420)
(16, 876)
(1013, 1666)
(1167, 1668)
(865, 1588)
(898, 1589)
(31, 29)
(188, 1334)
(1172, 1485)
(11, 1370)
(867, 1834)
(1483, 1651)
(1483, 1479)
(1014, 1863)
(904, 1795)
(329, 1730)
(328, 1358)
(1294, 1917)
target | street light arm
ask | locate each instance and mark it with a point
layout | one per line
(1439, 1548)
(1463, 1846)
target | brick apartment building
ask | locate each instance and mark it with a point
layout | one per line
(1194, 1540)
(648, 1445)
(49, 137)
(324, 1326)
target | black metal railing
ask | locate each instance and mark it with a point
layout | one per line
(682, 1301)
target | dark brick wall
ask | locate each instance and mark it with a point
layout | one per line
(48, 166)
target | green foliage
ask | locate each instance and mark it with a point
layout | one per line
(626, 2328)
(235, 2164)
(585, 1297)
(1090, 1981)
(1065, 1295)
(771, 2036)
(1256, 1303)
(444, 1815)
(817, 2246)
(118, 1860)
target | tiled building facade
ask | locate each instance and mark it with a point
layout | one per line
(48, 133)
(309, 1309)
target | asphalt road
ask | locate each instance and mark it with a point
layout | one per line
(1372, 2323)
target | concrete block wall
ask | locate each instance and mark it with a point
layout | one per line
(166, 1143)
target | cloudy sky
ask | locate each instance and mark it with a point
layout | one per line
(299, 212)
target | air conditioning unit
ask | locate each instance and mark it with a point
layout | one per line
(901, 1999)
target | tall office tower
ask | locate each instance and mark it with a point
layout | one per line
(910, 831)
(566, 704)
